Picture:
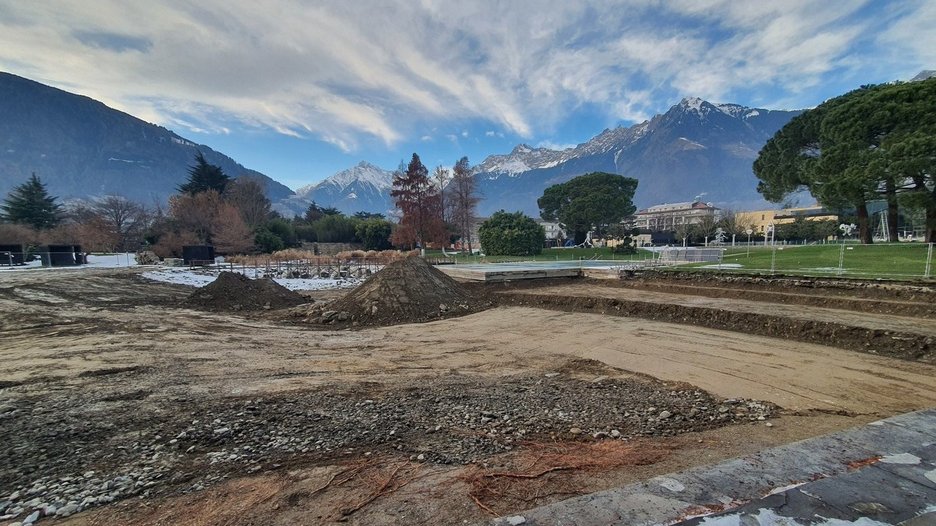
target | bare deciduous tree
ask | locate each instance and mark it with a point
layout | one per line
(231, 233)
(464, 200)
(441, 177)
(247, 194)
(123, 219)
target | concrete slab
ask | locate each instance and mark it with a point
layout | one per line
(881, 473)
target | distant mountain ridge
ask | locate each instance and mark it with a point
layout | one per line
(363, 187)
(695, 148)
(81, 148)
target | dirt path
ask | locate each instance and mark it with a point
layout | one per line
(123, 351)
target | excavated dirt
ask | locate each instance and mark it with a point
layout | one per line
(914, 292)
(232, 291)
(903, 337)
(109, 391)
(407, 291)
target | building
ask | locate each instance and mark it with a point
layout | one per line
(669, 217)
(554, 232)
(760, 220)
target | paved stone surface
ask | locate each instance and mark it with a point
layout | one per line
(880, 474)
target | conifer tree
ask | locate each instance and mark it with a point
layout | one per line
(420, 204)
(204, 176)
(30, 204)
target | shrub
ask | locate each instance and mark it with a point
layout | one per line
(511, 234)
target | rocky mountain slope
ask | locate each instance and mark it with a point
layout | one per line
(81, 148)
(695, 148)
(364, 187)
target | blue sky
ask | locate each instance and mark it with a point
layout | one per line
(300, 89)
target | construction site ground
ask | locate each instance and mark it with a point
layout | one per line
(196, 417)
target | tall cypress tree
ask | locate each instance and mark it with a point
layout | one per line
(30, 204)
(204, 176)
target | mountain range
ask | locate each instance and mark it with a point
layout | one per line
(363, 187)
(81, 148)
(695, 149)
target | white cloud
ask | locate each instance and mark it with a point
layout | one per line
(356, 71)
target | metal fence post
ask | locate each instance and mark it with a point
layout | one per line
(841, 269)
(929, 261)
(773, 261)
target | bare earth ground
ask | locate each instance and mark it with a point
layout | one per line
(288, 425)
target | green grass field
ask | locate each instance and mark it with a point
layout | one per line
(891, 260)
(551, 254)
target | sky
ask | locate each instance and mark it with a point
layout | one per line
(301, 89)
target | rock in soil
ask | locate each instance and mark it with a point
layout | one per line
(64, 454)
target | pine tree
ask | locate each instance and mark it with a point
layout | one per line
(30, 204)
(204, 176)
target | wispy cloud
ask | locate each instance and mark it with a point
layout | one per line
(354, 72)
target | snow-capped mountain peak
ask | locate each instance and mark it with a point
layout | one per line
(704, 107)
(522, 158)
(363, 173)
(692, 103)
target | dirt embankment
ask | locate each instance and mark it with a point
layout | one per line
(906, 299)
(407, 291)
(110, 391)
(755, 312)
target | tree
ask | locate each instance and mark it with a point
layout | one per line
(374, 233)
(316, 212)
(267, 241)
(232, 234)
(204, 177)
(196, 213)
(511, 234)
(593, 201)
(30, 204)
(335, 228)
(464, 200)
(419, 203)
(283, 230)
(119, 218)
(362, 215)
(441, 177)
(873, 141)
(248, 196)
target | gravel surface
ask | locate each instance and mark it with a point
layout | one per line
(63, 455)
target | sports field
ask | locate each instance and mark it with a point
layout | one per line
(905, 260)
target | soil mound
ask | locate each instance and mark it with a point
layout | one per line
(406, 291)
(235, 292)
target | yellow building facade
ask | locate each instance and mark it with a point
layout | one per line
(760, 220)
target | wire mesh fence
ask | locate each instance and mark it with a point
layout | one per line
(881, 260)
